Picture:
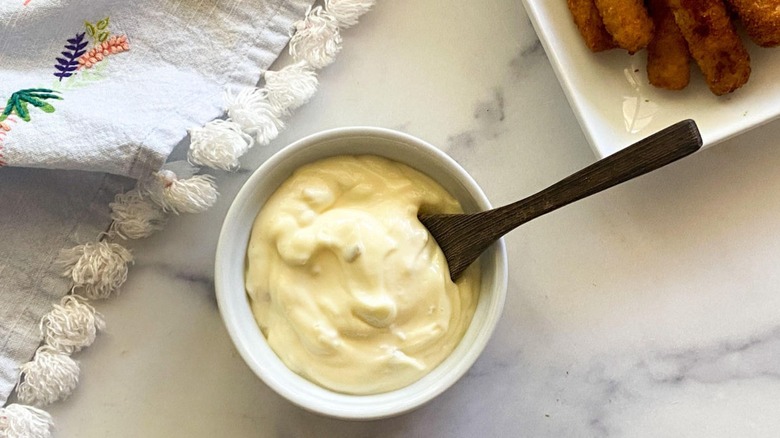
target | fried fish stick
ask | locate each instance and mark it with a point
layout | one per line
(627, 21)
(713, 43)
(668, 60)
(588, 20)
(761, 19)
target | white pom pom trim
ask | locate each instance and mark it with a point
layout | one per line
(219, 144)
(290, 87)
(71, 325)
(49, 377)
(317, 39)
(192, 195)
(347, 12)
(251, 110)
(101, 268)
(97, 269)
(135, 216)
(20, 421)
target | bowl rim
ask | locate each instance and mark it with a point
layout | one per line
(335, 404)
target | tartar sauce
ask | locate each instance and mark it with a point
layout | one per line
(346, 284)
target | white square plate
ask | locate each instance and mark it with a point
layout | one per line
(615, 104)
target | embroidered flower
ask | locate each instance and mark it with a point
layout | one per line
(114, 45)
(73, 58)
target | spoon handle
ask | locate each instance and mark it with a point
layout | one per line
(651, 153)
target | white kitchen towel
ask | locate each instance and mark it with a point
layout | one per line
(109, 87)
(113, 85)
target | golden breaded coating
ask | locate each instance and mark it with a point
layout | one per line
(713, 43)
(627, 21)
(668, 60)
(761, 19)
(588, 20)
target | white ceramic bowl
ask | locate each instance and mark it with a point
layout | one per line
(231, 259)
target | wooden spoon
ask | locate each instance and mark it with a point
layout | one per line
(463, 237)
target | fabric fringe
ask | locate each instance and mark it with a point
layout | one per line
(71, 325)
(347, 12)
(290, 87)
(135, 216)
(49, 377)
(317, 39)
(219, 144)
(20, 421)
(192, 195)
(98, 269)
(251, 110)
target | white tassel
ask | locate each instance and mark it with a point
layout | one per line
(20, 421)
(98, 268)
(71, 325)
(219, 144)
(191, 195)
(316, 39)
(290, 87)
(252, 111)
(347, 12)
(135, 216)
(49, 377)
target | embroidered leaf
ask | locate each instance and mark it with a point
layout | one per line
(48, 108)
(64, 67)
(98, 31)
(19, 101)
(7, 111)
(102, 24)
(69, 63)
(78, 41)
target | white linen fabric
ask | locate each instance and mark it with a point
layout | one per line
(41, 212)
(113, 85)
(95, 88)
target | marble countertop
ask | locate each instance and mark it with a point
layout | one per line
(648, 310)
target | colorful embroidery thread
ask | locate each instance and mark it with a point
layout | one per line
(69, 63)
(18, 102)
(98, 31)
(75, 58)
(114, 45)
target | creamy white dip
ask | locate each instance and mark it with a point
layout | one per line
(348, 287)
